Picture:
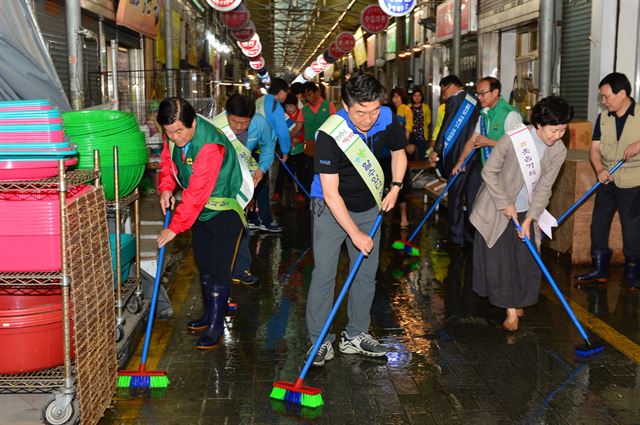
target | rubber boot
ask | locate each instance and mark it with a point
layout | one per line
(632, 274)
(218, 298)
(600, 267)
(202, 323)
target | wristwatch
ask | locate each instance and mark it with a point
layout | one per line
(399, 184)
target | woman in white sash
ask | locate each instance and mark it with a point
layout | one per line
(518, 178)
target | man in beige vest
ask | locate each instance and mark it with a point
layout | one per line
(616, 136)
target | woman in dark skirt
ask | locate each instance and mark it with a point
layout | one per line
(518, 178)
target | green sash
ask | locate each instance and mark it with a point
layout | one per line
(224, 204)
(358, 153)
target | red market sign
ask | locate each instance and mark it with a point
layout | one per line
(328, 58)
(373, 19)
(257, 64)
(444, 19)
(316, 67)
(246, 33)
(224, 5)
(322, 61)
(251, 43)
(335, 52)
(252, 53)
(345, 41)
(236, 19)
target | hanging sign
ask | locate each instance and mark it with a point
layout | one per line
(224, 5)
(308, 73)
(397, 7)
(246, 33)
(236, 19)
(316, 67)
(251, 43)
(345, 41)
(253, 52)
(334, 51)
(373, 19)
(322, 61)
(257, 64)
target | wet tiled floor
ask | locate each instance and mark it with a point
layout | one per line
(451, 362)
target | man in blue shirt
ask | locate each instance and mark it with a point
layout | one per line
(270, 107)
(253, 131)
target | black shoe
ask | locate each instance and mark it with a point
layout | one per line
(202, 323)
(600, 267)
(218, 299)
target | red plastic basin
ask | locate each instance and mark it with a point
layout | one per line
(31, 334)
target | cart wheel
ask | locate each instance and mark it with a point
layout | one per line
(119, 333)
(52, 416)
(134, 306)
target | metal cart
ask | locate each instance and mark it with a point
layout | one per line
(62, 407)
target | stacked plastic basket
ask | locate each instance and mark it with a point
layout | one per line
(32, 140)
(102, 130)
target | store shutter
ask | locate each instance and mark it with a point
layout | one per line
(51, 19)
(574, 68)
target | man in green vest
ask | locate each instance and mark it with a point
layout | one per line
(314, 114)
(615, 138)
(497, 117)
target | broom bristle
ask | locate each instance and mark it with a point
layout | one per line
(413, 251)
(399, 245)
(301, 394)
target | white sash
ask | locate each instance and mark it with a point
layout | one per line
(243, 154)
(529, 161)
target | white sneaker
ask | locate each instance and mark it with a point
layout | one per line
(325, 352)
(363, 343)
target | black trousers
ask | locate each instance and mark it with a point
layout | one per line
(215, 243)
(463, 192)
(610, 198)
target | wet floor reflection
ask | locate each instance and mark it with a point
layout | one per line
(450, 360)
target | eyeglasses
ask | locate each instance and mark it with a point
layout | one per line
(482, 93)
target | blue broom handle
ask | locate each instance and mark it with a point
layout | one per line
(336, 305)
(442, 195)
(154, 298)
(586, 195)
(553, 284)
(294, 177)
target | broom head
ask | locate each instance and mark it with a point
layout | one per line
(142, 378)
(297, 393)
(406, 247)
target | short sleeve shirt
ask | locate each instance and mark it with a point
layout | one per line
(330, 159)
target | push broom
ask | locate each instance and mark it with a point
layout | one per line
(143, 378)
(288, 170)
(297, 392)
(411, 249)
(588, 348)
(587, 194)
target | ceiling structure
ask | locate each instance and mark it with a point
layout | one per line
(294, 32)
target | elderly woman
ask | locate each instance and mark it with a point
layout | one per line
(517, 185)
(201, 160)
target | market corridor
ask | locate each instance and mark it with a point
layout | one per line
(451, 362)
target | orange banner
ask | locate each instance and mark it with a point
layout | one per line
(142, 16)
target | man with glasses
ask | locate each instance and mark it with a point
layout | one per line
(460, 118)
(497, 117)
(615, 138)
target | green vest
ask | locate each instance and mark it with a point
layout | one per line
(230, 176)
(611, 149)
(494, 119)
(313, 121)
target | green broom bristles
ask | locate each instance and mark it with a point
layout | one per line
(278, 393)
(399, 245)
(159, 382)
(311, 400)
(124, 381)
